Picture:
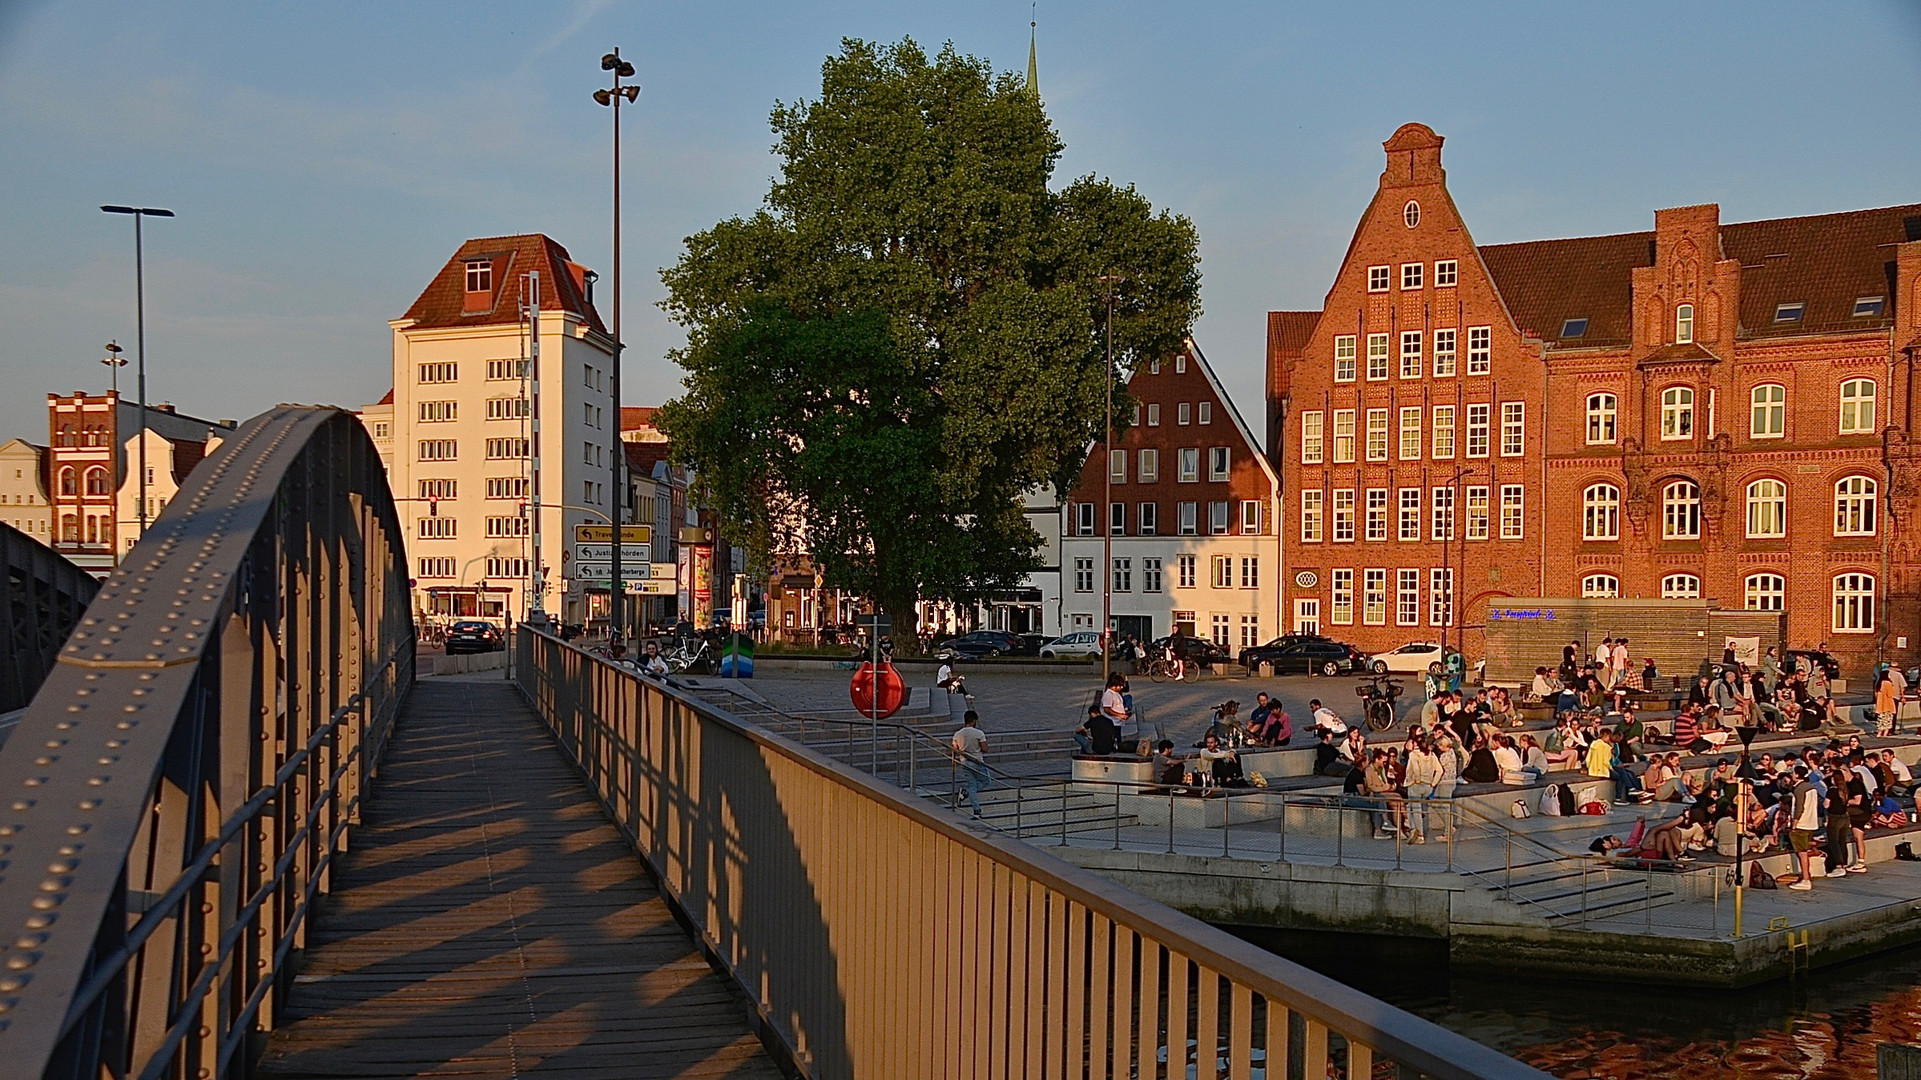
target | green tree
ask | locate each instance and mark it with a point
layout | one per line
(908, 334)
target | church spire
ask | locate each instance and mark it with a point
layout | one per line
(1033, 65)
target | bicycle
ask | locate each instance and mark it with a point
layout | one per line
(1162, 668)
(682, 658)
(1378, 696)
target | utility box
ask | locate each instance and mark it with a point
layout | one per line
(1525, 633)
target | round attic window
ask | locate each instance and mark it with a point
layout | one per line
(1411, 213)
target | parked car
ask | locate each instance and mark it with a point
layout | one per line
(979, 644)
(1198, 649)
(1804, 659)
(1415, 658)
(1079, 645)
(1303, 654)
(1028, 644)
(473, 636)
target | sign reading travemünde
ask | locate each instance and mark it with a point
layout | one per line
(604, 534)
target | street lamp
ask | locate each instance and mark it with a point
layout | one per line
(1455, 517)
(114, 362)
(140, 342)
(1108, 281)
(613, 97)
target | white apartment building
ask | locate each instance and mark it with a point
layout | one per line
(168, 463)
(23, 489)
(462, 430)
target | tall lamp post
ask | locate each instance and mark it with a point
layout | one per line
(613, 97)
(115, 362)
(140, 342)
(1108, 281)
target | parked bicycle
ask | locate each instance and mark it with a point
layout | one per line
(681, 658)
(1378, 696)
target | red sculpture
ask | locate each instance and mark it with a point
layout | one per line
(890, 695)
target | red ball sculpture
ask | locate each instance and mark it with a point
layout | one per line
(891, 694)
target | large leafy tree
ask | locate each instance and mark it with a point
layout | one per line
(908, 335)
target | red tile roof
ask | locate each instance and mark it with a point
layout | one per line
(562, 285)
(635, 417)
(388, 398)
(643, 456)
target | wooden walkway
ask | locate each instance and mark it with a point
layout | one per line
(490, 922)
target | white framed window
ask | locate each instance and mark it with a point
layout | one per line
(1154, 413)
(1154, 366)
(1251, 515)
(1601, 411)
(480, 276)
(1376, 514)
(1343, 435)
(1340, 596)
(436, 566)
(1217, 517)
(1444, 354)
(1184, 575)
(1480, 350)
(1117, 466)
(1767, 509)
(1766, 592)
(1683, 324)
(1217, 462)
(1513, 428)
(506, 408)
(1180, 363)
(1378, 278)
(1857, 407)
(1443, 513)
(1768, 411)
(436, 528)
(1681, 510)
(1222, 623)
(1853, 603)
(1150, 515)
(1084, 519)
(1377, 434)
(1600, 585)
(439, 411)
(1411, 433)
(1411, 354)
(1477, 430)
(1407, 598)
(1250, 571)
(1374, 597)
(1150, 575)
(1601, 512)
(437, 450)
(504, 566)
(1477, 512)
(436, 489)
(1123, 575)
(1343, 514)
(1411, 213)
(1513, 500)
(1410, 514)
(1677, 413)
(1250, 631)
(1183, 414)
(439, 373)
(1377, 347)
(1135, 419)
(1204, 412)
(1189, 518)
(1190, 465)
(506, 369)
(1446, 273)
(1411, 274)
(504, 525)
(1147, 464)
(506, 487)
(506, 449)
(1866, 307)
(1117, 518)
(1344, 357)
(1223, 571)
(1680, 587)
(1083, 575)
(1443, 431)
(1440, 596)
(1854, 498)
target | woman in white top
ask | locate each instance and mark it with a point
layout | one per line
(1509, 760)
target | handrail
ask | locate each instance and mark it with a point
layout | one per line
(858, 918)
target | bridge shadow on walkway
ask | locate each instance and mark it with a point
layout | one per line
(491, 921)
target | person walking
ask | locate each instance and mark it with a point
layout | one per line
(1887, 702)
(970, 746)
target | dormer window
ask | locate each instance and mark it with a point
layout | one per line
(1790, 312)
(1573, 328)
(1868, 307)
(1684, 324)
(480, 276)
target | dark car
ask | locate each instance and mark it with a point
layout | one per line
(1252, 657)
(979, 644)
(1199, 650)
(1313, 656)
(473, 636)
(1805, 659)
(1029, 644)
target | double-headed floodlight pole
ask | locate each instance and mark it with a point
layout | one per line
(614, 96)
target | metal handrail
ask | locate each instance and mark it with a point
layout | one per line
(773, 852)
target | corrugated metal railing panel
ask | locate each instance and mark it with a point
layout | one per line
(880, 937)
(41, 598)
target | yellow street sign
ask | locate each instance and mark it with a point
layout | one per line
(604, 534)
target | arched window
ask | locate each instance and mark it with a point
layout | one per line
(1684, 324)
(97, 482)
(1854, 506)
(1677, 413)
(1680, 587)
(1857, 407)
(1681, 511)
(1768, 411)
(1601, 512)
(1600, 418)
(67, 481)
(1602, 585)
(1767, 508)
(1766, 592)
(1853, 603)
(66, 435)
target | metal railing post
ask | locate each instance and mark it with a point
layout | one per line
(1283, 829)
(1170, 821)
(1340, 833)
(1117, 817)
(1647, 900)
(1227, 822)
(1584, 872)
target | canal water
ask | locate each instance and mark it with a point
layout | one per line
(1825, 1026)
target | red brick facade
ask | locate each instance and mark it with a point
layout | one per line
(1705, 411)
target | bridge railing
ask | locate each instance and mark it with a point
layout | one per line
(172, 800)
(880, 936)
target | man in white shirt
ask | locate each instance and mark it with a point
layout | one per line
(970, 746)
(1618, 662)
(1603, 657)
(1326, 720)
(1801, 828)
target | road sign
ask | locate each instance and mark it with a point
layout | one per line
(604, 534)
(630, 554)
(598, 574)
(882, 623)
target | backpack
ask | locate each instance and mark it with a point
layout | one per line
(1761, 879)
(1519, 809)
(1551, 801)
(1594, 808)
(1567, 801)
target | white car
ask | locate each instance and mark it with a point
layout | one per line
(1413, 658)
(1079, 645)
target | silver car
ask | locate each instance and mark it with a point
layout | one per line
(1079, 645)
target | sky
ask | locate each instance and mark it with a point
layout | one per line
(326, 159)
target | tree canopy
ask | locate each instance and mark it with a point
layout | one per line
(908, 335)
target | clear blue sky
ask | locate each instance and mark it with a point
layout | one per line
(325, 159)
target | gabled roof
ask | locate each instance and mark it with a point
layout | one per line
(387, 398)
(1248, 440)
(562, 284)
(649, 458)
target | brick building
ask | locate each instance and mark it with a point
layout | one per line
(1193, 514)
(1706, 410)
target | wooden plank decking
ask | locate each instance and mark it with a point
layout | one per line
(491, 922)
